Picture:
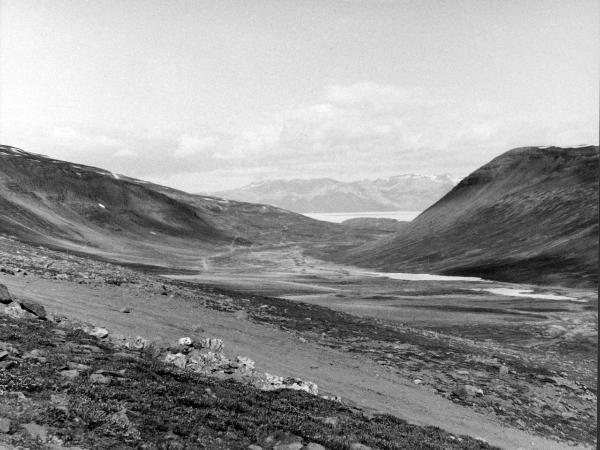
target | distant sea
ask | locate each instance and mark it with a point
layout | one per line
(403, 216)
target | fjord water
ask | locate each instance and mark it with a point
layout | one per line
(402, 216)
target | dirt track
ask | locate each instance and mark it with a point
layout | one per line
(358, 380)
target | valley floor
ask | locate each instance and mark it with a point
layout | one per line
(515, 372)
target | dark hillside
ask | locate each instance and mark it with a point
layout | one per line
(530, 215)
(87, 209)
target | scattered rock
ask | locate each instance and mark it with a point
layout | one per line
(290, 446)
(5, 425)
(120, 420)
(126, 310)
(3, 354)
(284, 441)
(36, 431)
(466, 390)
(313, 446)
(69, 373)
(359, 446)
(60, 401)
(331, 421)
(417, 381)
(37, 354)
(7, 365)
(77, 366)
(254, 447)
(503, 370)
(5, 296)
(98, 378)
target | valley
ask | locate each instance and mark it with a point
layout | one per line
(388, 320)
(400, 347)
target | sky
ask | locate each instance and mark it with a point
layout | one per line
(211, 95)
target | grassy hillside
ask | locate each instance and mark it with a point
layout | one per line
(530, 215)
(91, 210)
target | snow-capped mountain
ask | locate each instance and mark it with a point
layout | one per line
(325, 195)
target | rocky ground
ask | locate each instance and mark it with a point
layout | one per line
(68, 385)
(539, 391)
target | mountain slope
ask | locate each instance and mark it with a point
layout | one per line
(51, 202)
(402, 192)
(530, 215)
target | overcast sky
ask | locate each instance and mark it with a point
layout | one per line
(209, 95)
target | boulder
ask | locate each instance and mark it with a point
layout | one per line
(4, 425)
(331, 421)
(290, 446)
(245, 362)
(185, 341)
(69, 373)
(300, 385)
(34, 308)
(177, 359)
(466, 390)
(15, 311)
(139, 343)
(98, 378)
(214, 344)
(99, 332)
(5, 296)
(60, 401)
(359, 446)
(313, 446)
(36, 431)
(207, 362)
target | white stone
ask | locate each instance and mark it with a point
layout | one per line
(185, 341)
(99, 332)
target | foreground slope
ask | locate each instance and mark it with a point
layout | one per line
(403, 192)
(77, 207)
(118, 398)
(530, 215)
(364, 362)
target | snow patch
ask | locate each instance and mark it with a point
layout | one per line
(528, 293)
(419, 276)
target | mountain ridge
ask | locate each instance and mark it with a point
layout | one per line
(326, 195)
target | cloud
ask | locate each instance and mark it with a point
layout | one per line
(193, 145)
(362, 130)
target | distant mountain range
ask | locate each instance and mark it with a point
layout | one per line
(530, 215)
(325, 195)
